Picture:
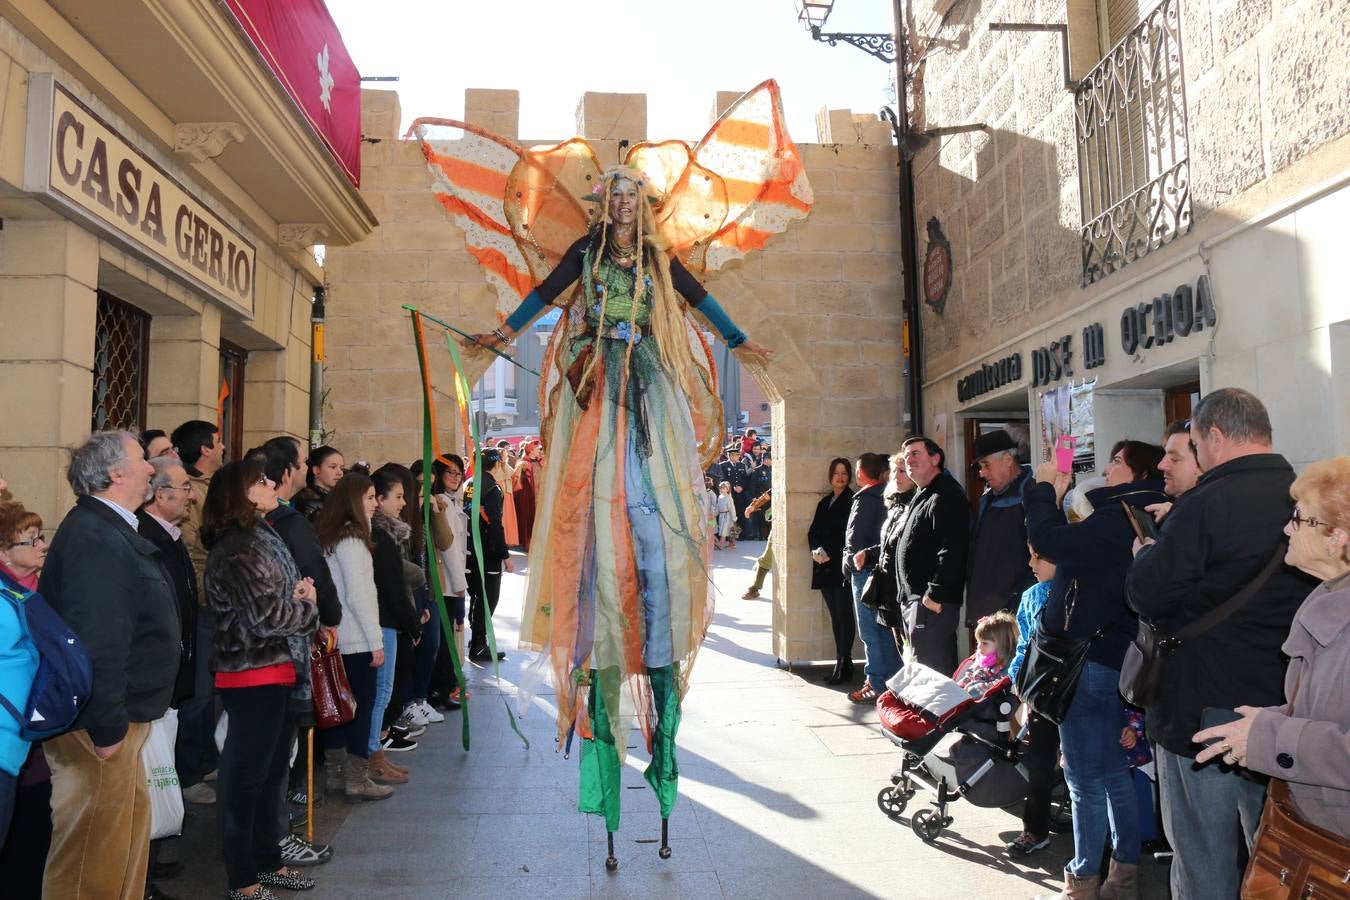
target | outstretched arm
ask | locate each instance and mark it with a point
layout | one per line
(698, 297)
(566, 272)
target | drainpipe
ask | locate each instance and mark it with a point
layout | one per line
(316, 368)
(909, 246)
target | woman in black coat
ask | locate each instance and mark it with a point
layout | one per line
(1087, 601)
(826, 539)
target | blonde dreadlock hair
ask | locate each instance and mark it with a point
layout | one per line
(668, 324)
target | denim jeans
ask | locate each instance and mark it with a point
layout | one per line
(883, 656)
(425, 656)
(1202, 810)
(1098, 773)
(384, 686)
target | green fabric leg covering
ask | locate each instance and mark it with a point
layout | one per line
(664, 774)
(600, 769)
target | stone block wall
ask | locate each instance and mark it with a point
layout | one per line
(825, 295)
(1265, 82)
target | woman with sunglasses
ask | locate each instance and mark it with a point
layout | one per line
(265, 617)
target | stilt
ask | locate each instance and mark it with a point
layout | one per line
(611, 862)
(664, 852)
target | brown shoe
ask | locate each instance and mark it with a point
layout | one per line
(381, 772)
(359, 787)
(1122, 882)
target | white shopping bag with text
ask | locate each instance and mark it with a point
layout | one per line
(161, 777)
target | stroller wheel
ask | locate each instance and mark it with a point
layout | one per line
(927, 824)
(1061, 809)
(892, 802)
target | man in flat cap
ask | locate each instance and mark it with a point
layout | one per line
(997, 572)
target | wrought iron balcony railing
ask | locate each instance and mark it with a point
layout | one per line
(1133, 158)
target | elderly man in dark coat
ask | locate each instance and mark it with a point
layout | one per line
(997, 570)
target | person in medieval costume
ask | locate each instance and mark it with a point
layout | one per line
(619, 597)
(527, 477)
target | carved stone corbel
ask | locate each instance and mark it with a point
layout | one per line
(301, 236)
(201, 141)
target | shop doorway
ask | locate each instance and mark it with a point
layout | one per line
(1179, 401)
(230, 398)
(1020, 430)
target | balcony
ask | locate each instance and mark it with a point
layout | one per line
(1133, 157)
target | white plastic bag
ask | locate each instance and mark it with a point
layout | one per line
(222, 726)
(161, 777)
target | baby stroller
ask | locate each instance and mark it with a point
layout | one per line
(955, 745)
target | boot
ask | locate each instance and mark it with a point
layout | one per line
(388, 763)
(1122, 882)
(381, 772)
(1075, 888)
(333, 777)
(359, 786)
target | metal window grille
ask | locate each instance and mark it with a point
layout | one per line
(1133, 157)
(121, 365)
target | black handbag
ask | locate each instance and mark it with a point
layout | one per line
(1053, 664)
(1141, 669)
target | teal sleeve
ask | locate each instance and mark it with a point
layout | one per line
(717, 317)
(530, 307)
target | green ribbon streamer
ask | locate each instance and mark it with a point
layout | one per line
(477, 528)
(428, 454)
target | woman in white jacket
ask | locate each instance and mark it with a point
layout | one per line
(343, 525)
(449, 481)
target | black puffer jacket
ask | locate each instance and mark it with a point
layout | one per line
(1091, 558)
(250, 579)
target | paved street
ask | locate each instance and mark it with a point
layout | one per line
(779, 779)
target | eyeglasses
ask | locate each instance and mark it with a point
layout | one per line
(1300, 520)
(36, 543)
(169, 487)
(267, 482)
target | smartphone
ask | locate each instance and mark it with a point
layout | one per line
(1216, 715)
(1142, 522)
(1064, 453)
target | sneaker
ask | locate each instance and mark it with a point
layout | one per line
(456, 698)
(396, 744)
(303, 852)
(200, 793)
(408, 727)
(298, 797)
(291, 881)
(1026, 844)
(296, 851)
(430, 712)
(413, 715)
(297, 817)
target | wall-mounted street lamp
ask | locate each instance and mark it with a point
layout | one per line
(813, 13)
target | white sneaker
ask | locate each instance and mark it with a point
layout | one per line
(412, 713)
(431, 713)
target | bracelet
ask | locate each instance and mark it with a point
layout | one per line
(500, 336)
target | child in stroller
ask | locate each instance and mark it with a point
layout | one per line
(955, 732)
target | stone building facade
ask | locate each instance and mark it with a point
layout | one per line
(1225, 124)
(825, 295)
(181, 292)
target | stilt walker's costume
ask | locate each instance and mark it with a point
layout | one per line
(619, 595)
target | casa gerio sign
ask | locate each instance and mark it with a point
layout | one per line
(937, 267)
(77, 161)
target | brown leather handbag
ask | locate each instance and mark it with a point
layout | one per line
(334, 702)
(1292, 858)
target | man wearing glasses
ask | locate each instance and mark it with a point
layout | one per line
(1219, 537)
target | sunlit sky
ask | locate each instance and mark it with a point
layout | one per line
(678, 52)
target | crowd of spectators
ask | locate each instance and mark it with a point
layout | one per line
(1258, 694)
(205, 586)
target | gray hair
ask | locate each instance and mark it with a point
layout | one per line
(92, 462)
(163, 465)
(1239, 414)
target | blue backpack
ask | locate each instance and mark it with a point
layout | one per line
(64, 677)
